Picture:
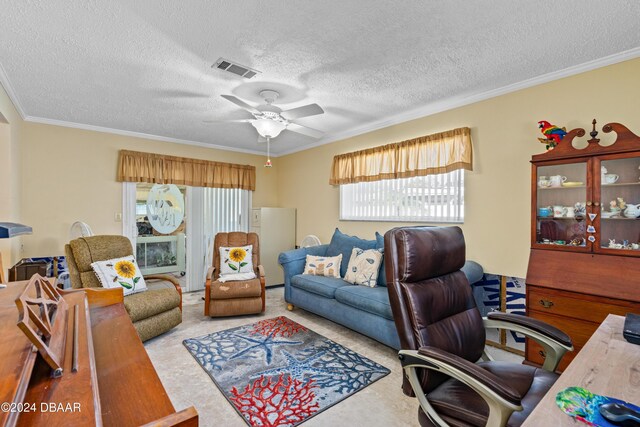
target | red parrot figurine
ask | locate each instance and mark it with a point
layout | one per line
(553, 133)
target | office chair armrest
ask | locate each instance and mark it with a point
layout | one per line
(475, 372)
(534, 324)
(500, 396)
(210, 272)
(555, 342)
(260, 271)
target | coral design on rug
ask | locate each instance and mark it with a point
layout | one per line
(276, 372)
(277, 327)
(268, 402)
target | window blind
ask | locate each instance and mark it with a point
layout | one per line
(230, 209)
(430, 198)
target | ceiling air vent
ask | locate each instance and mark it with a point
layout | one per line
(235, 68)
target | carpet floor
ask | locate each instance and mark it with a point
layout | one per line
(380, 404)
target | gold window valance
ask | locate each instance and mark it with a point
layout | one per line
(134, 166)
(427, 155)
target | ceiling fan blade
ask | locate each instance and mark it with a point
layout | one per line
(229, 121)
(240, 103)
(304, 130)
(300, 112)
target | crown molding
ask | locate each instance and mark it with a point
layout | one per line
(4, 81)
(455, 102)
(102, 129)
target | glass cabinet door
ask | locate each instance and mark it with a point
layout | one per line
(620, 205)
(561, 209)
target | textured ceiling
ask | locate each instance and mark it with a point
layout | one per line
(144, 66)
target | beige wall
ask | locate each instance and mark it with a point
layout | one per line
(10, 126)
(69, 175)
(504, 132)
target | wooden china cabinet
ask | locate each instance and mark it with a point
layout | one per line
(585, 235)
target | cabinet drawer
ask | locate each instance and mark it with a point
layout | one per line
(576, 305)
(535, 354)
(579, 330)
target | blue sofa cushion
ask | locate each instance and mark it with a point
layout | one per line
(473, 271)
(320, 285)
(372, 300)
(343, 244)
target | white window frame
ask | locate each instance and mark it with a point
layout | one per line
(415, 199)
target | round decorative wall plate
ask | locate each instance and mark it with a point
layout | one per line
(165, 208)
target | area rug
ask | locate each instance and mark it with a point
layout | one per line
(276, 372)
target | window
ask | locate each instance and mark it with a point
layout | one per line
(431, 198)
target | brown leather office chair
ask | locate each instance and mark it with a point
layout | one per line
(233, 298)
(442, 336)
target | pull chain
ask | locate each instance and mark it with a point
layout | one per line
(268, 163)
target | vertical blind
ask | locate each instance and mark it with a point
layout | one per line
(230, 208)
(217, 210)
(225, 210)
(430, 198)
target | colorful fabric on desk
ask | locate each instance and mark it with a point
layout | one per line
(583, 405)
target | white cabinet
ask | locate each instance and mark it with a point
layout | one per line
(276, 228)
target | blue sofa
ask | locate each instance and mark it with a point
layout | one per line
(365, 310)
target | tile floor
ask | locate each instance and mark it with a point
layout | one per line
(380, 404)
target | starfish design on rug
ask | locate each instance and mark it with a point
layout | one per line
(298, 368)
(265, 344)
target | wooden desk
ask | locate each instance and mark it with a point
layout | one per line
(115, 385)
(607, 365)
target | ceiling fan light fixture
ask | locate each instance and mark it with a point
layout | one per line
(268, 128)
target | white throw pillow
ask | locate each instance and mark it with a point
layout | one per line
(363, 267)
(323, 265)
(236, 259)
(120, 273)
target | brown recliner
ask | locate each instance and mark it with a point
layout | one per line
(442, 336)
(233, 298)
(153, 312)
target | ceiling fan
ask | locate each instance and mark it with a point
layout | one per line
(270, 120)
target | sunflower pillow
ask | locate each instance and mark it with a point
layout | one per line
(121, 273)
(236, 259)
